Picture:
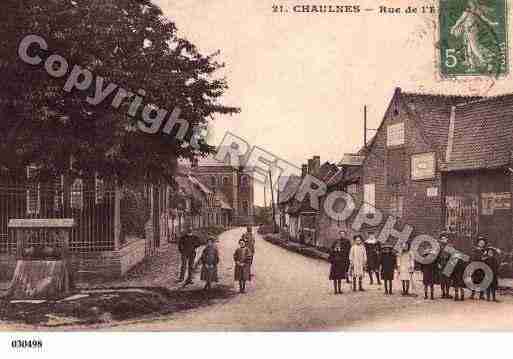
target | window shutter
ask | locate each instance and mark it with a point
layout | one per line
(58, 198)
(99, 190)
(77, 194)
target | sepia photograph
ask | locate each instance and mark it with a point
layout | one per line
(187, 168)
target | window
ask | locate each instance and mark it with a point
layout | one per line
(244, 181)
(369, 198)
(225, 180)
(58, 199)
(77, 194)
(395, 134)
(396, 205)
(245, 207)
(33, 192)
(99, 190)
(213, 181)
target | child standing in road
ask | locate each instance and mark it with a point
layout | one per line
(388, 263)
(458, 280)
(209, 260)
(338, 260)
(358, 260)
(242, 258)
(492, 262)
(372, 248)
(429, 273)
(405, 266)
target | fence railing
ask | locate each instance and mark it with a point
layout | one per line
(94, 214)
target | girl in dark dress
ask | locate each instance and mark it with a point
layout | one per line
(209, 260)
(388, 262)
(338, 259)
(457, 277)
(492, 262)
(429, 275)
(372, 247)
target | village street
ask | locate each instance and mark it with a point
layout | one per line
(291, 292)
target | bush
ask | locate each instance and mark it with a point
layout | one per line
(134, 212)
(265, 229)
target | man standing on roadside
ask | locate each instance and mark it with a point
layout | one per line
(187, 245)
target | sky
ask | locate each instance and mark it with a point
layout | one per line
(301, 80)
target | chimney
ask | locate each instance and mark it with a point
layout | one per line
(304, 170)
(316, 165)
(310, 166)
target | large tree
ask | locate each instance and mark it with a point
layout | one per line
(128, 43)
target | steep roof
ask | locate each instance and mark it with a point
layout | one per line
(483, 134)
(289, 188)
(433, 114)
(326, 171)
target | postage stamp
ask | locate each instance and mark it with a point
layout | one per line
(473, 38)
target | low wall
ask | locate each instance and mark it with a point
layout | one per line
(91, 266)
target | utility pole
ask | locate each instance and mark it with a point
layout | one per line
(365, 126)
(272, 201)
(280, 224)
(265, 197)
(365, 129)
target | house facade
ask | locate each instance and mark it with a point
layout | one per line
(443, 163)
(195, 205)
(232, 185)
(478, 172)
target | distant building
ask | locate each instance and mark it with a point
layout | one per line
(233, 183)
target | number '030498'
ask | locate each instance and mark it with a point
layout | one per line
(26, 344)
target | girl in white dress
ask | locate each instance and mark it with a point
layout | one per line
(405, 265)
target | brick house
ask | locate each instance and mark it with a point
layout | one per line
(347, 178)
(301, 218)
(194, 204)
(477, 174)
(401, 173)
(232, 184)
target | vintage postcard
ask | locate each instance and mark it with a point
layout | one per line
(256, 165)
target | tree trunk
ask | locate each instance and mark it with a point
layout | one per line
(40, 279)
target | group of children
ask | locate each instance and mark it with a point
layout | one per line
(243, 258)
(352, 260)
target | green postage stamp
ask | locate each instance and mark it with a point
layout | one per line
(473, 38)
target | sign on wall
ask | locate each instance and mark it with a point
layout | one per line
(491, 202)
(395, 134)
(423, 166)
(432, 192)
